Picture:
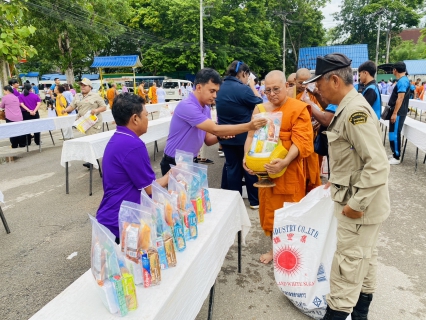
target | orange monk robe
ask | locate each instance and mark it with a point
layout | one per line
(111, 93)
(296, 128)
(152, 94)
(141, 93)
(314, 161)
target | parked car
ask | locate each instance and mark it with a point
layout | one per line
(173, 88)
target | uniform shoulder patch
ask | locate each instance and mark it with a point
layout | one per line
(358, 117)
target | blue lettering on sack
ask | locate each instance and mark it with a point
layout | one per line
(317, 301)
(293, 228)
(321, 274)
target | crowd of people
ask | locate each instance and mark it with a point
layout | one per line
(327, 104)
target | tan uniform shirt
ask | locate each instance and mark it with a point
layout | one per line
(83, 104)
(358, 163)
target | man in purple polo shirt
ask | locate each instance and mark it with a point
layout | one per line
(126, 164)
(15, 85)
(192, 125)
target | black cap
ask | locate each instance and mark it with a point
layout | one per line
(329, 63)
(400, 66)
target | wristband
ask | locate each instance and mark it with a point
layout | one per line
(219, 138)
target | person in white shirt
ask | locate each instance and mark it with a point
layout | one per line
(161, 94)
(183, 91)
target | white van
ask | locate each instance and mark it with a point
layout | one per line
(172, 87)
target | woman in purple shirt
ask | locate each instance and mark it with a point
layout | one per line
(126, 165)
(30, 103)
(10, 105)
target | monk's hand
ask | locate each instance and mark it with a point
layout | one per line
(258, 123)
(276, 166)
(350, 213)
(246, 168)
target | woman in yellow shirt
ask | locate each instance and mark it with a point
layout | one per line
(61, 102)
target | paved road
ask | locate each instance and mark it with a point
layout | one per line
(48, 225)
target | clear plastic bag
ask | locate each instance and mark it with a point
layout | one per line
(172, 216)
(105, 269)
(266, 138)
(184, 157)
(186, 209)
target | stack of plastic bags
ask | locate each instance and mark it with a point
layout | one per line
(151, 235)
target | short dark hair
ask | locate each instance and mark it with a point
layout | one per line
(400, 67)
(61, 88)
(8, 88)
(207, 74)
(237, 67)
(12, 81)
(126, 105)
(368, 66)
(55, 79)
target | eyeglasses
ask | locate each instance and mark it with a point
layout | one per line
(291, 84)
(274, 90)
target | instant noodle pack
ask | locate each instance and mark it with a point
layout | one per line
(152, 234)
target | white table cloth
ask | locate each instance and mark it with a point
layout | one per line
(183, 289)
(91, 148)
(14, 129)
(413, 103)
(415, 132)
(1, 197)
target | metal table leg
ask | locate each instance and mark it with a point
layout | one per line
(100, 170)
(91, 171)
(26, 141)
(239, 251)
(3, 219)
(155, 147)
(51, 137)
(63, 137)
(107, 125)
(67, 189)
(403, 152)
(417, 157)
(424, 160)
(384, 138)
(211, 304)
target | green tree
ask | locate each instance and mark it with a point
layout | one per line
(70, 33)
(408, 50)
(14, 34)
(358, 22)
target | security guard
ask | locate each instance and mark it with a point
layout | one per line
(359, 188)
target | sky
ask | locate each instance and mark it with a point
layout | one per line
(328, 10)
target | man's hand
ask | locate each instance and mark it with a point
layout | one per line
(94, 111)
(276, 166)
(246, 168)
(258, 123)
(350, 213)
(393, 118)
(63, 111)
(327, 185)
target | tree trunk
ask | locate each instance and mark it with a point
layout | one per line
(4, 75)
(69, 73)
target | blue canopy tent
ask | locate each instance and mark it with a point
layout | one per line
(117, 62)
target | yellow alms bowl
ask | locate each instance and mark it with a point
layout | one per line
(258, 164)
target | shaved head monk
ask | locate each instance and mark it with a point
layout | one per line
(296, 134)
(291, 90)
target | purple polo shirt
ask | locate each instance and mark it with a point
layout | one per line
(184, 135)
(30, 100)
(16, 92)
(11, 106)
(126, 170)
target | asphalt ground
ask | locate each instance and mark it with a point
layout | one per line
(47, 226)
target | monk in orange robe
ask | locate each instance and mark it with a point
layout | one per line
(296, 134)
(141, 91)
(314, 161)
(291, 89)
(111, 94)
(152, 93)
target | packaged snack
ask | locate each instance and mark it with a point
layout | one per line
(167, 258)
(105, 269)
(129, 227)
(192, 183)
(185, 208)
(201, 170)
(172, 216)
(129, 288)
(266, 138)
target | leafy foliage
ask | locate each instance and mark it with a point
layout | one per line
(408, 50)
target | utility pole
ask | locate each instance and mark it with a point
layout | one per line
(201, 35)
(378, 13)
(283, 16)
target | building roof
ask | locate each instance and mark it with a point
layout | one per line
(416, 67)
(358, 53)
(29, 74)
(411, 34)
(116, 62)
(52, 76)
(90, 76)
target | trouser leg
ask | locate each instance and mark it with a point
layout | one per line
(354, 265)
(395, 136)
(165, 164)
(234, 174)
